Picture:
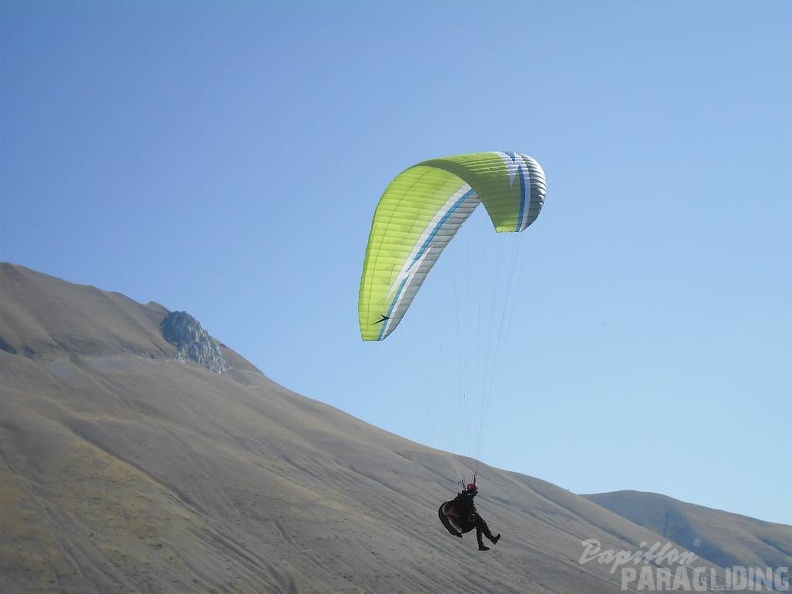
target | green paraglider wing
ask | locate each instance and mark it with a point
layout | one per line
(421, 211)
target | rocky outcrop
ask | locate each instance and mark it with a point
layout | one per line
(193, 342)
(4, 346)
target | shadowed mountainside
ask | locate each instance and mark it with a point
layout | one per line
(125, 468)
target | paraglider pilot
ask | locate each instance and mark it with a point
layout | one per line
(459, 516)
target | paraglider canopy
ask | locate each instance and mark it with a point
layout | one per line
(421, 211)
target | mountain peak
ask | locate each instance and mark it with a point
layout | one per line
(47, 318)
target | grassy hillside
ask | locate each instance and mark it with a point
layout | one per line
(125, 470)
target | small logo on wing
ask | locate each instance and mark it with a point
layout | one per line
(382, 319)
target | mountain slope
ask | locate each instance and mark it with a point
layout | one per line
(724, 538)
(126, 469)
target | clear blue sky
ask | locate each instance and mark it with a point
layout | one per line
(225, 158)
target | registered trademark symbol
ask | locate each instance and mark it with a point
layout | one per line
(697, 543)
